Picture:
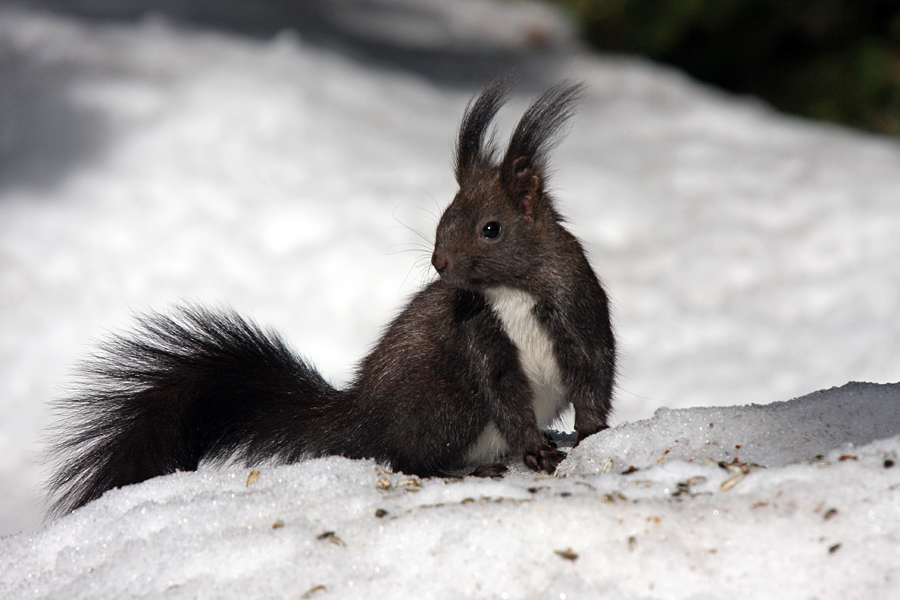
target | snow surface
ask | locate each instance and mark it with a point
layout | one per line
(750, 257)
(645, 510)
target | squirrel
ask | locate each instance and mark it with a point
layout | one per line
(514, 329)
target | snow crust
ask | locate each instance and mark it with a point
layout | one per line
(644, 510)
(750, 258)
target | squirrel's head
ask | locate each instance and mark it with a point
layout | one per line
(502, 219)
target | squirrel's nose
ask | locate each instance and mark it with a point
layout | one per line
(439, 262)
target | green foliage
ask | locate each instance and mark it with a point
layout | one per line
(837, 60)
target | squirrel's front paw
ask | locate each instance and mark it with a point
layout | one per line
(495, 471)
(544, 459)
(589, 430)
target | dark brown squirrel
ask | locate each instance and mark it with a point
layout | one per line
(479, 362)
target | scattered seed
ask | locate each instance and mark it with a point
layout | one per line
(331, 537)
(278, 524)
(410, 485)
(632, 543)
(567, 554)
(696, 480)
(730, 483)
(381, 513)
(737, 466)
(681, 488)
(384, 483)
(819, 461)
(834, 548)
(630, 470)
(662, 459)
(846, 457)
(831, 512)
(313, 591)
(614, 496)
(888, 463)
(252, 477)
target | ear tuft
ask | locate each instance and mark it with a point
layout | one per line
(472, 154)
(538, 131)
(523, 169)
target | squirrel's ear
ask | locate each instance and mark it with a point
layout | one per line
(524, 167)
(525, 186)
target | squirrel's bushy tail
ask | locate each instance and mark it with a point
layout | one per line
(182, 389)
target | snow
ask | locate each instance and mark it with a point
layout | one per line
(751, 258)
(644, 510)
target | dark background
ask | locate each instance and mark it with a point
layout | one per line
(837, 60)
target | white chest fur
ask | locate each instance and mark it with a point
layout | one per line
(515, 310)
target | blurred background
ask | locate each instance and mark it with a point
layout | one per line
(834, 60)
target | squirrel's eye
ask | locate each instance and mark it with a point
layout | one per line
(490, 230)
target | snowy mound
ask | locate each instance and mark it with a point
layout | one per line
(771, 436)
(669, 507)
